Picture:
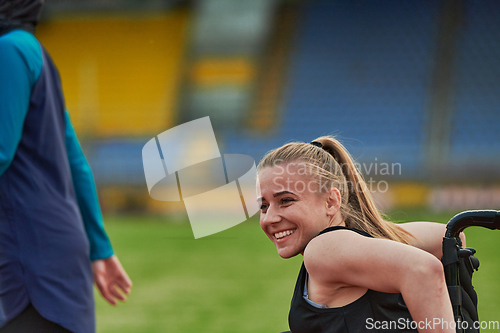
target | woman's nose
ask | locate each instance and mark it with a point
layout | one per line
(271, 216)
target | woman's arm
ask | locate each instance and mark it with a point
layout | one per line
(429, 236)
(345, 258)
(109, 274)
(86, 195)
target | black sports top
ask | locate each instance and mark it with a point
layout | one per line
(373, 312)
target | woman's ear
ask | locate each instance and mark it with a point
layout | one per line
(333, 202)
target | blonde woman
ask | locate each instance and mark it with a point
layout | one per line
(360, 272)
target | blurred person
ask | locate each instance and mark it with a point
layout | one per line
(359, 271)
(53, 245)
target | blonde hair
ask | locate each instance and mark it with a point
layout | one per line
(333, 166)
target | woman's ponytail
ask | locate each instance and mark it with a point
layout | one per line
(359, 210)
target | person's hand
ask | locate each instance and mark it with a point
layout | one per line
(108, 275)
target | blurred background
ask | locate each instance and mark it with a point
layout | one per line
(412, 88)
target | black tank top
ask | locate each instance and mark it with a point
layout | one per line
(385, 311)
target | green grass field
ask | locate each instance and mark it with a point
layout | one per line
(233, 281)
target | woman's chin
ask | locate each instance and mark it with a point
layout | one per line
(286, 252)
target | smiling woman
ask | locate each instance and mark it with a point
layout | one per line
(358, 268)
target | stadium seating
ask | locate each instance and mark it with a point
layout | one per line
(120, 73)
(475, 137)
(117, 161)
(361, 70)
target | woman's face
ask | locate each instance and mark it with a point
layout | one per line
(292, 209)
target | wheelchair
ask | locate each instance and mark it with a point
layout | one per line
(460, 263)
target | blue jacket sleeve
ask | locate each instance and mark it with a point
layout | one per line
(86, 195)
(20, 67)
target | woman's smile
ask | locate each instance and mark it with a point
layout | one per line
(280, 236)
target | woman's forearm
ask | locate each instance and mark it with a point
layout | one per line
(426, 296)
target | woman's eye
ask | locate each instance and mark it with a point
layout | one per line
(284, 201)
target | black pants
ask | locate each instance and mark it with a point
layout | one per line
(30, 321)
